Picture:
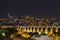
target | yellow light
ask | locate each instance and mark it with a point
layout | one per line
(11, 36)
(26, 35)
(56, 29)
(18, 29)
(30, 29)
(51, 31)
(50, 34)
(19, 32)
(46, 32)
(34, 30)
(3, 34)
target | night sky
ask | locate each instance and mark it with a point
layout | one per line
(35, 8)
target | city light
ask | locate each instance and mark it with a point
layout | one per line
(28, 27)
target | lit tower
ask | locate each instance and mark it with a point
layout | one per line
(8, 14)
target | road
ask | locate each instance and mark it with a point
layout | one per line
(17, 38)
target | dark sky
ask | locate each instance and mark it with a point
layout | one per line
(30, 7)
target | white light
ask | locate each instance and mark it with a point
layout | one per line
(39, 33)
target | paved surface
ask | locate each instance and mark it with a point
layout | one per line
(16, 38)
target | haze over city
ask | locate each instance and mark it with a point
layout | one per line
(30, 7)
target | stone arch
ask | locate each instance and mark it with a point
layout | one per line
(49, 29)
(44, 29)
(35, 29)
(32, 28)
(54, 29)
(39, 28)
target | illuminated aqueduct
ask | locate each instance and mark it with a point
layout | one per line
(42, 29)
(45, 29)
